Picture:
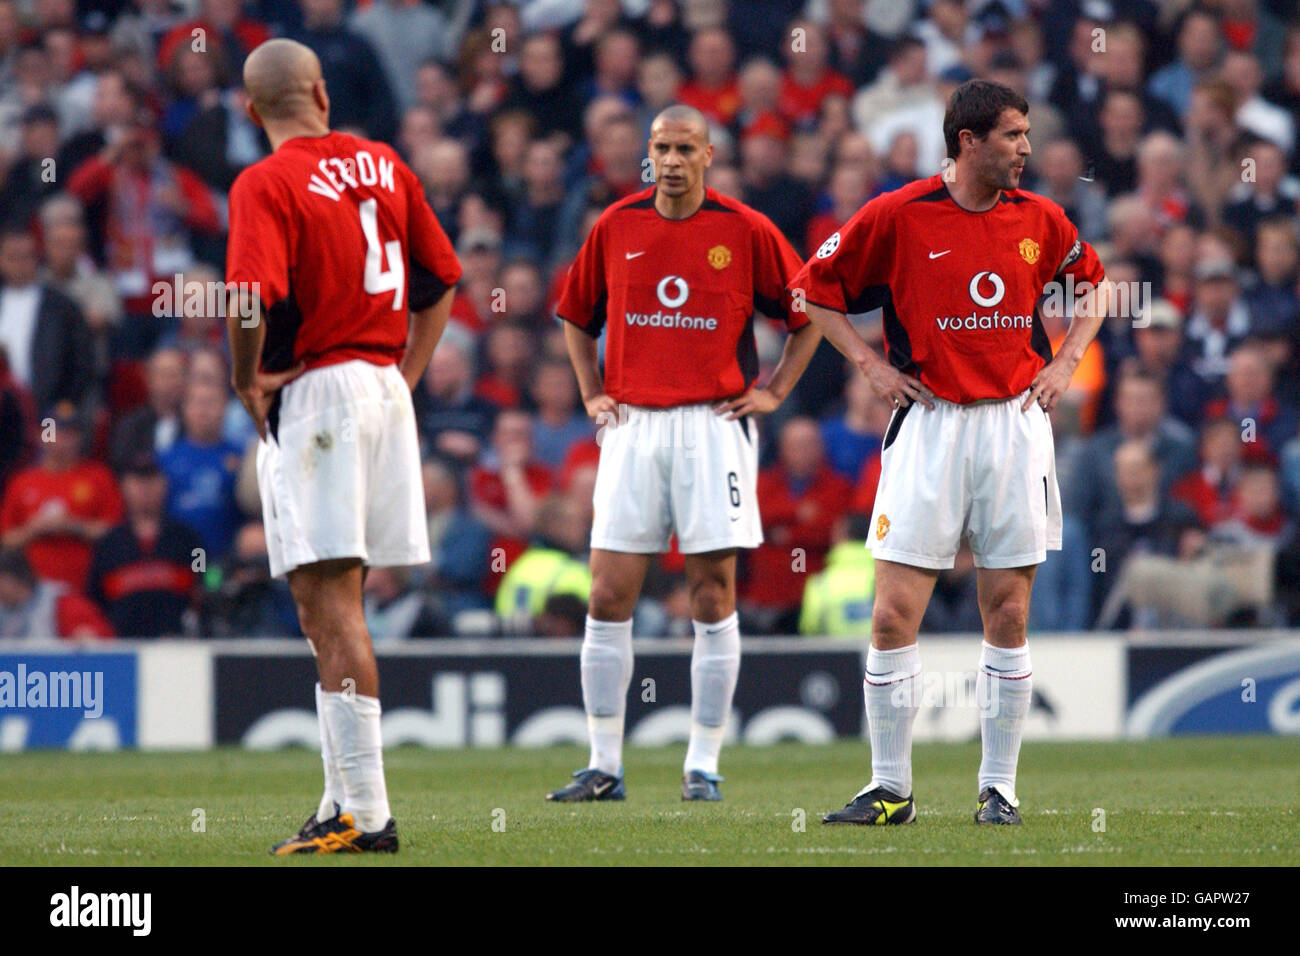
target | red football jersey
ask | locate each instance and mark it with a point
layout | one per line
(678, 296)
(958, 289)
(336, 232)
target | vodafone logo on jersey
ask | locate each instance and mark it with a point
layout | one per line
(995, 280)
(681, 291)
(673, 291)
(986, 290)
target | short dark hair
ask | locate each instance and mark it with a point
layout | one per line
(977, 105)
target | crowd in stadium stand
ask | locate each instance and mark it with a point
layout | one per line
(1166, 130)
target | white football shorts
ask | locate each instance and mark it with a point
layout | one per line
(341, 479)
(984, 472)
(685, 469)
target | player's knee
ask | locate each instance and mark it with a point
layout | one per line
(711, 601)
(891, 625)
(609, 601)
(1008, 616)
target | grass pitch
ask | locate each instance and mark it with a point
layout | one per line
(1186, 801)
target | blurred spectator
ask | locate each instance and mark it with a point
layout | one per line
(541, 92)
(1274, 301)
(809, 77)
(853, 436)
(799, 498)
(1219, 320)
(145, 572)
(1199, 46)
(904, 84)
(1113, 156)
(241, 598)
(34, 608)
(1093, 494)
(508, 348)
(225, 32)
(1061, 178)
(535, 214)
(768, 187)
(69, 269)
(152, 427)
(1269, 192)
(201, 467)
(1257, 518)
(554, 563)
(1209, 489)
(395, 608)
(152, 208)
(659, 78)
(32, 175)
(837, 600)
(506, 488)
(56, 510)
(561, 423)
(954, 604)
(712, 88)
(17, 423)
(358, 89)
(614, 67)
(1158, 341)
(453, 420)
(41, 330)
(1266, 423)
(459, 543)
(1148, 521)
(1211, 136)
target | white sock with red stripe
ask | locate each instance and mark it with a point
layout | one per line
(354, 730)
(892, 689)
(606, 673)
(1003, 688)
(715, 667)
(333, 782)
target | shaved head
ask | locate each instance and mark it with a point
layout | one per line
(280, 76)
(683, 115)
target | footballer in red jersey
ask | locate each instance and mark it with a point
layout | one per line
(957, 263)
(673, 277)
(340, 282)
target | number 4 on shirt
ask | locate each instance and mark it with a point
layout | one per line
(378, 279)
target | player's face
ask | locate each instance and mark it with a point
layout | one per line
(680, 155)
(1003, 153)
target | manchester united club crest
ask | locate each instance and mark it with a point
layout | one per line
(719, 257)
(882, 527)
(1030, 250)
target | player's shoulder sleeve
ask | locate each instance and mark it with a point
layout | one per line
(583, 299)
(433, 267)
(775, 266)
(854, 259)
(262, 226)
(1074, 256)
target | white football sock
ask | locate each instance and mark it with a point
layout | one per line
(715, 666)
(606, 674)
(333, 782)
(354, 730)
(892, 689)
(1003, 687)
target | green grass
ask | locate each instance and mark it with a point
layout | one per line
(1188, 801)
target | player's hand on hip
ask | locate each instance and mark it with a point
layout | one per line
(602, 408)
(757, 401)
(257, 395)
(894, 387)
(1051, 382)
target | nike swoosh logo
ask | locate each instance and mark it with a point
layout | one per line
(936, 255)
(735, 517)
(633, 255)
(600, 788)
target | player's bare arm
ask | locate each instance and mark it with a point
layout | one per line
(1053, 380)
(254, 387)
(586, 366)
(764, 399)
(886, 381)
(426, 330)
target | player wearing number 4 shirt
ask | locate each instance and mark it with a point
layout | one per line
(331, 240)
(958, 262)
(673, 277)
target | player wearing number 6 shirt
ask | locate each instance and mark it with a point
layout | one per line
(673, 276)
(958, 263)
(347, 277)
